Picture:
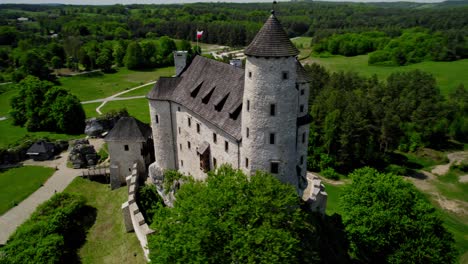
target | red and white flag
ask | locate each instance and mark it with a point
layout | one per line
(199, 34)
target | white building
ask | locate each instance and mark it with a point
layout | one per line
(255, 118)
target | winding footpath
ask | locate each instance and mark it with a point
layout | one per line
(116, 97)
(56, 183)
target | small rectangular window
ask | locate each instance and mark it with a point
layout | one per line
(272, 138)
(303, 137)
(302, 160)
(226, 146)
(285, 75)
(181, 163)
(246, 162)
(215, 138)
(274, 167)
(178, 108)
(302, 91)
(272, 109)
(247, 132)
(250, 74)
(248, 105)
(188, 144)
(198, 128)
(157, 119)
(301, 108)
(179, 130)
(180, 146)
(189, 121)
(214, 162)
(126, 147)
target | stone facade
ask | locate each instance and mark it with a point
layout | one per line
(122, 156)
(180, 60)
(269, 132)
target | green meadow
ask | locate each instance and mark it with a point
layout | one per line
(16, 184)
(101, 85)
(448, 74)
(106, 241)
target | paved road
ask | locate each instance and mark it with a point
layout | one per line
(56, 183)
(113, 99)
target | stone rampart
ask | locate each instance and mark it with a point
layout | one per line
(133, 218)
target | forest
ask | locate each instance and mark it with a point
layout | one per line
(98, 36)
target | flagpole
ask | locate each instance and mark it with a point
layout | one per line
(197, 41)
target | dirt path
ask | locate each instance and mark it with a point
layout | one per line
(425, 182)
(332, 182)
(454, 157)
(56, 183)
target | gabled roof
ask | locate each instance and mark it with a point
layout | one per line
(41, 147)
(209, 88)
(129, 129)
(271, 41)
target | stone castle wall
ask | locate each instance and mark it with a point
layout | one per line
(189, 157)
(133, 218)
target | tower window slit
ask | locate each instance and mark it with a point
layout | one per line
(272, 109)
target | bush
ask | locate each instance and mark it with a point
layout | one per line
(330, 173)
(148, 201)
(53, 233)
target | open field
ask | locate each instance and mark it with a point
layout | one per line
(16, 184)
(303, 44)
(137, 108)
(106, 241)
(11, 134)
(5, 100)
(448, 74)
(99, 85)
(140, 91)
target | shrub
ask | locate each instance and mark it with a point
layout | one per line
(330, 173)
(53, 233)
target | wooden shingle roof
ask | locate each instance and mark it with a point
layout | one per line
(209, 88)
(271, 41)
(129, 129)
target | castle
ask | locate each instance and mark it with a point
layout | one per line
(255, 118)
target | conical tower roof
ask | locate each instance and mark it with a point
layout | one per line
(271, 41)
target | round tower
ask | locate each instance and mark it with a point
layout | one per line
(270, 103)
(163, 130)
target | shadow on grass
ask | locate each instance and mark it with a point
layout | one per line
(76, 237)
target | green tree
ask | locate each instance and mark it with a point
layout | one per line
(133, 57)
(34, 64)
(388, 221)
(230, 218)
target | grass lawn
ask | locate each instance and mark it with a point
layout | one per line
(90, 110)
(303, 44)
(11, 134)
(5, 101)
(138, 108)
(16, 184)
(334, 192)
(448, 74)
(107, 241)
(98, 85)
(140, 91)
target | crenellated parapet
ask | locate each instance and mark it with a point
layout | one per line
(133, 218)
